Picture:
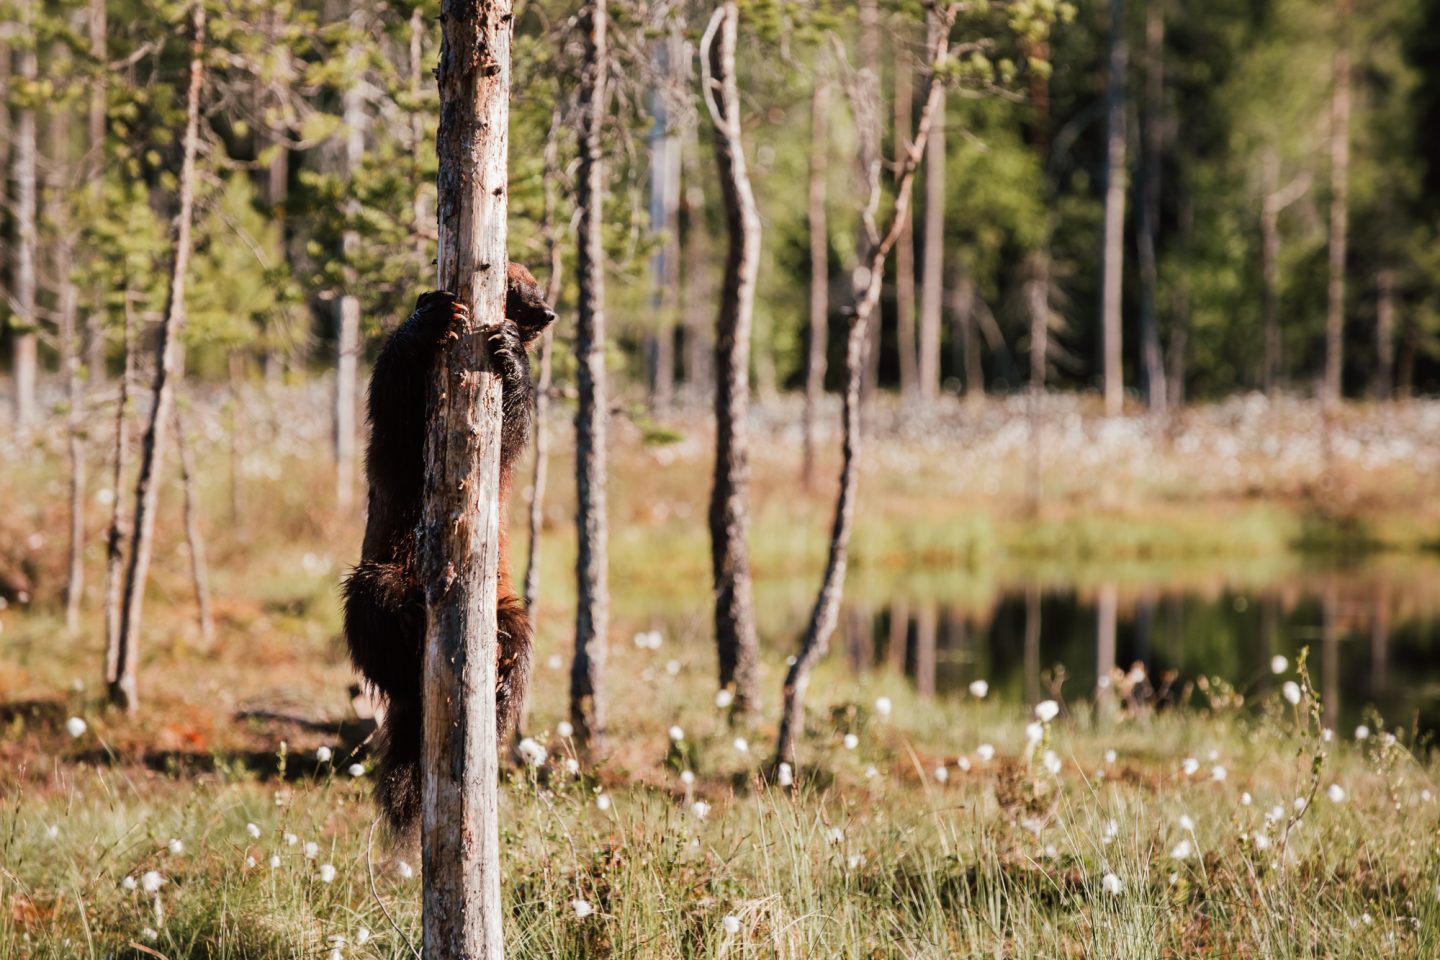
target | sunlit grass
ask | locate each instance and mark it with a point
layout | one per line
(1212, 830)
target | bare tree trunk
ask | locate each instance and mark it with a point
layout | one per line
(122, 686)
(967, 330)
(1114, 249)
(1105, 617)
(237, 505)
(1330, 654)
(24, 324)
(1155, 392)
(1339, 206)
(1385, 334)
(664, 220)
(1270, 273)
(1032, 644)
(932, 270)
(592, 611)
(1180, 319)
(114, 543)
(696, 297)
(543, 384)
(905, 248)
(816, 359)
(418, 206)
(460, 536)
(867, 294)
(735, 640)
(1037, 305)
(94, 175)
(193, 541)
(67, 310)
(347, 342)
(869, 57)
(927, 626)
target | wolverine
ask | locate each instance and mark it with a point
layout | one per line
(383, 597)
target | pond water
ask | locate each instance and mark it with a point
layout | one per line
(1372, 626)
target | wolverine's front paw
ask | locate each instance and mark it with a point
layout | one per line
(507, 351)
(441, 316)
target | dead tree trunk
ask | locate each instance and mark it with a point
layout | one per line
(122, 687)
(905, 247)
(94, 167)
(1270, 276)
(114, 542)
(696, 297)
(1114, 249)
(867, 293)
(1385, 335)
(932, 268)
(543, 382)
(67, 310)
(592, 610)
(816, 358)
(664, 220)
(1339, 207)
(193, 541)
(1154, 361)
(866, 163)
(459, 536)
(735, 640)
(347, 341)
(1037, 305)
(25, 338)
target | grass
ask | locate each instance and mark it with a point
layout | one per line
(874, 856)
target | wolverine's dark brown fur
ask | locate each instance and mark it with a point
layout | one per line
(384, 600)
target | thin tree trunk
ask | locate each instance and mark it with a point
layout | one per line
(419, 208)
(1180, 319)
(67, 310)
(1105, 617)
(1385, 334)
(1114, 249)
(94, 176)
(114, 543)
(1032, 643)
(25, 339)
(735, 640)
(123, 691)
(867, 160)
(193, 541)
(1339, 207)
(348, 306)
(816, 359)
(932, 269)
(237, 504)
(1270, 273)
(592, 611)
(1155, 392)
(664, 220)
(967, 329)
(543, 384)
(696, 298)
(1037, 305)
(460, 536)
(927, 626)
(905, 248)
(867, 294)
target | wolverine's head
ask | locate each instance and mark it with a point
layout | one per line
(525, 303)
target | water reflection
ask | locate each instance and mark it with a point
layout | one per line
(1372, 638)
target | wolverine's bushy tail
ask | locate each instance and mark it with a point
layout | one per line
(397, 774)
